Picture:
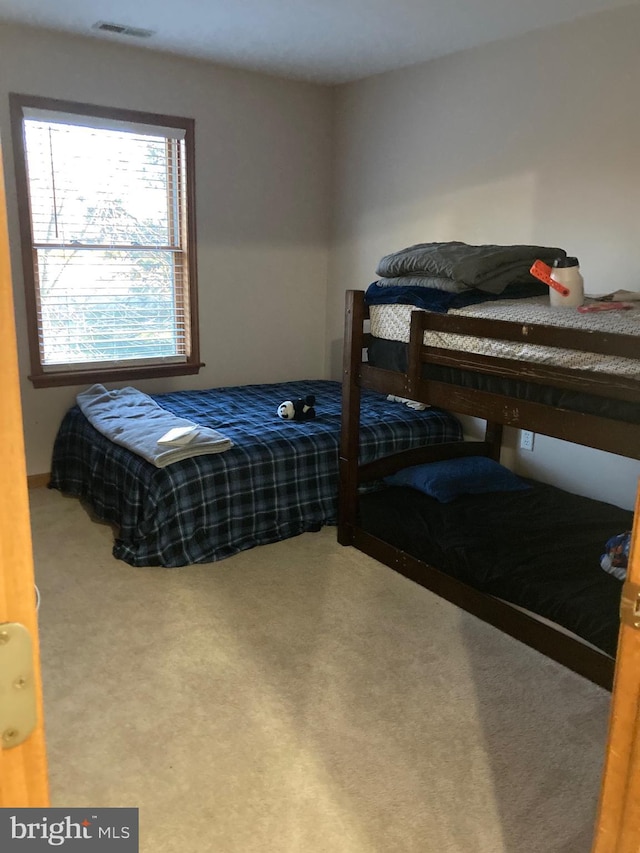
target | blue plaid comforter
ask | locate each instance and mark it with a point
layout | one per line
(279, 479)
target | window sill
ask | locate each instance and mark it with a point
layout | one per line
(116, 374)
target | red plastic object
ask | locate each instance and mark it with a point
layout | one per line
(605, 306)
(543, 272)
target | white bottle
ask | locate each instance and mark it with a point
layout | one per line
(566, 271)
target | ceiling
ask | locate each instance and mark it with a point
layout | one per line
(325, 41)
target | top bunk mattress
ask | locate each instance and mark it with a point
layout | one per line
(392, 322)
(390, 330)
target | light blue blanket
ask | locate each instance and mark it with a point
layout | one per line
(132, 419)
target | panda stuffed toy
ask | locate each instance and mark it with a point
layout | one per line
(298, 410)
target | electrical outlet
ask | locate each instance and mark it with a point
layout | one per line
(526, 439)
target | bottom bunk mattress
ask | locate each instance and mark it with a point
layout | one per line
(279, 479)
(539, 549)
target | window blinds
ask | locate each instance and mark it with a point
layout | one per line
(108, 216)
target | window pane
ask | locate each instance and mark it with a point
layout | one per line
(105, 305)
(95, 186)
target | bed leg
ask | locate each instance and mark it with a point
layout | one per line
(493, 437)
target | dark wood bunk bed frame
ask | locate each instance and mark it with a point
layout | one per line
(619, 437)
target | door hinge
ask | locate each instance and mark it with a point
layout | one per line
(630, 605)
(18, 707)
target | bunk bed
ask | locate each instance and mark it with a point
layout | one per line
(526, 561)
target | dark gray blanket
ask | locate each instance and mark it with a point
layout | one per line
(490, 268)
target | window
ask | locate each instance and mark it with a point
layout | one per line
(107, 219)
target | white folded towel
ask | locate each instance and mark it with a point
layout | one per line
(132, 419)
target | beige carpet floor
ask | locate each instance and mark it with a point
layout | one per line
(302, 698)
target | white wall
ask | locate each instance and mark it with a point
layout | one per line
(263, 160)
(530, 140)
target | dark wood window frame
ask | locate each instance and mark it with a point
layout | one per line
(40, 377)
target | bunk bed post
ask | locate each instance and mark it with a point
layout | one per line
(416, 338)
(493, 438)
(355, 316)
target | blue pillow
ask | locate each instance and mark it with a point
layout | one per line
(468, 475)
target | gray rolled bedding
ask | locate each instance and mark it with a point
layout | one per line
(487, 267)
